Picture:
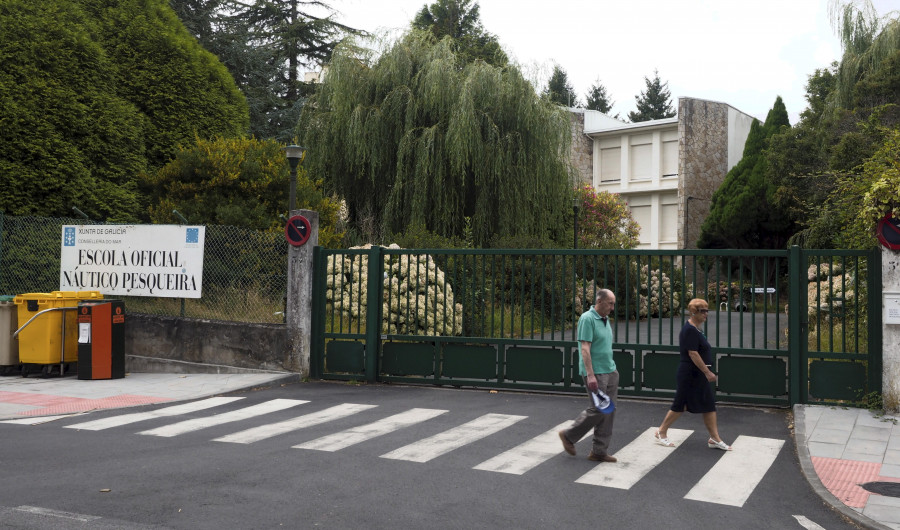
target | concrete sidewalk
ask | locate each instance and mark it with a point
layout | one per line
(842, 451)
(852, 459)
(31, 397)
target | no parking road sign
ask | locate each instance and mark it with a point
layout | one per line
(297, 230)
(888, 231)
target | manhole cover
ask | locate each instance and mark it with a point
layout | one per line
(888, 489)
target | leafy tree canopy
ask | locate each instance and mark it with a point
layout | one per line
(238, 182)
(420, 137)
(817, 167)
(866, 39)
(604, 220)
(655, 103)
(461, 21)
(819, 87)
(883, 171)
(559, 90)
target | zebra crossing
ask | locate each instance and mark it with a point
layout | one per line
(637, 459)
(730, 481)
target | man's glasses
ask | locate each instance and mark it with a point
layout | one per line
(703, 310)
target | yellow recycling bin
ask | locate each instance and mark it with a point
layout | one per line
(41, 340)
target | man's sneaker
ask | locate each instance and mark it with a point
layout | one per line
(567, 445)
(601, 458)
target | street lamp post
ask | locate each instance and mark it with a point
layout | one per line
(294, 154)
(575, 211)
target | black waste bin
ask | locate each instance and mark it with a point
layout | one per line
(101, 339)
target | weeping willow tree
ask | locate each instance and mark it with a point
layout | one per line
(418, 136)
(867, 41)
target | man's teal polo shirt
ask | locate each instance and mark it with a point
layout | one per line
(592, 329)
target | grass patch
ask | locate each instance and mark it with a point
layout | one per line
(837, 338)
(233, 305)
(514, 322)
(499, 322)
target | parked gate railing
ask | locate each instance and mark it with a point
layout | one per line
(506, 318)
(841, 322)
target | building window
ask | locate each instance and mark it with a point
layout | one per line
(668, 218)
(610, 164)
(640, 161)
(670, 158)
(641, 210)
(641, 215)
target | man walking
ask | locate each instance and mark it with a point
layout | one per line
(598, 369)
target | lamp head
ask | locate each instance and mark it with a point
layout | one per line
(294, 154)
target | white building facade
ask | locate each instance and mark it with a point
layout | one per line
(666, 170)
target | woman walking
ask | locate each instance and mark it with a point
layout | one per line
(692, 390)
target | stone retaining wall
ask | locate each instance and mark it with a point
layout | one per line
(174, 344)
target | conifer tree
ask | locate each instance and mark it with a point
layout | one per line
(742, 214)
(93, 93)
(266, 44)
(461, 21)
(655, 103)
(598, 98)
(559, 90)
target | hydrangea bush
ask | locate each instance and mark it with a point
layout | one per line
(724, 291)
(656, 296)
(416, 299)
(828, 288)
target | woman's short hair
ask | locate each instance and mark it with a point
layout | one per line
(696, 304)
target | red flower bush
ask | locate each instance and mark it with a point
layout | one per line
(604, 220)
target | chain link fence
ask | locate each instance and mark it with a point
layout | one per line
(244, 271)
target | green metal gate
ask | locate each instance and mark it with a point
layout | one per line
(787, 327)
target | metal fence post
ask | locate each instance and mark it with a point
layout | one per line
(875, 346)
(796, 334)
(373, 312)
(317, 346)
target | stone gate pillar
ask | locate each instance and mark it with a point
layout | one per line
(299, 296)
(890, 333)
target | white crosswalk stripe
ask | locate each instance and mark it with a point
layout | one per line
(344, 439)
(731, 481)
(439, 444)
(528, 455)
(635, 460)
(177, 410)
(736, 474)
(197, 424)
(274, 429)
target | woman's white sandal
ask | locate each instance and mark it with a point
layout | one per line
(712, 444)
(662, 440)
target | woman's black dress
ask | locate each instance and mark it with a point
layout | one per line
(692, 390)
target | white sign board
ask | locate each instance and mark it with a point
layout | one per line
(133, 260)
(891, 308)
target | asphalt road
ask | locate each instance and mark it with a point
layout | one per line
(433, 473)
